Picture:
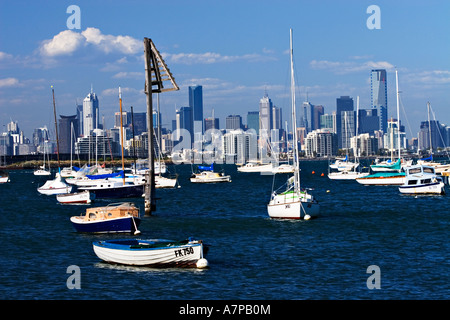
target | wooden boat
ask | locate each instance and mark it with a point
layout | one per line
(75, 198)
(422, 179)
(115, 217)
(153, 253)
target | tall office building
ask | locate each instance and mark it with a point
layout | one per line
(90, 113)
(265, 115)
(184, 121)
(348, 128)
(233, 122)
(253, 121)
(379, 96)
(344, 103)
(196, 104)
(369, 121)
(318, 112)
(68, 126)
(308, 116)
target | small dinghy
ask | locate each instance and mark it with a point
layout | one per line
(152, 253)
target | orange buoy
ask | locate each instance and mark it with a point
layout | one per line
(313, 172)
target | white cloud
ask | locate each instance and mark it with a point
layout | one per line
(129, 75)
(67, 42)
(210, 57)
(349, 67)
(8, 82)
(4, 55)
(64, 43)
(110, 43)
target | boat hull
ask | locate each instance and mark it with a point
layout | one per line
(382, 180)
(141, 253)
(76, 198)
(116, 191)
(346, 175)
(256, 168)
(122, 224)
(282, 207)
(432, 188)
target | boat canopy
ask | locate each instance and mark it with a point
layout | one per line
(105, 176)
(210, 168)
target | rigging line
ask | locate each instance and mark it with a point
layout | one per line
(438, 130)
(404, 112)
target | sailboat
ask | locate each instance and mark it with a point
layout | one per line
(293, 203)
(440, 168)
(42, 171)
(394, 175)
(4, 175)
(58, 185)
(347, 170)
(105, 188)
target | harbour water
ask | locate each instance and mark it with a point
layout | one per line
(251, 256)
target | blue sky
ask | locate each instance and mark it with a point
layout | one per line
(236, 50)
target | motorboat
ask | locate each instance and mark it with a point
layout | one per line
(421, 179)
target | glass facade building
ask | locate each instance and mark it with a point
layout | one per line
(378, 91)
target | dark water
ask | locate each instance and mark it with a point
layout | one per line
(251, 256)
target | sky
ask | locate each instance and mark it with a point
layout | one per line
(238, 50)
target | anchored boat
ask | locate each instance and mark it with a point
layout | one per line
(153, 253)
(115, 217)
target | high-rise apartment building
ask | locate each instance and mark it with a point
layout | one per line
(379, 96)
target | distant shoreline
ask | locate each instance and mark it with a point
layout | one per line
(116, 163)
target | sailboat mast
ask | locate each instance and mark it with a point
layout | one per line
(121, 134)
(294, 119)
(56, 128)
(429, 127)
(398, 116)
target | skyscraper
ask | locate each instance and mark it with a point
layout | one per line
(90, 113)
(196, 104)
(253, 121)
(233, 122)
(344, 103)
(67, 137)
(265, 115)
(379, 96)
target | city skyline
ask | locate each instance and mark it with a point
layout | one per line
(235, 63)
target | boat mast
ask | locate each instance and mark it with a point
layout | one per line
(56, 129)
(429, 128)
(294, 126)
(398, 116)
(121, 135)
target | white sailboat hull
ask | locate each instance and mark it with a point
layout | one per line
(286, 206)
(78, 197)
(4, 179)
(346, 175)
(56, 186)
(386, 181)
